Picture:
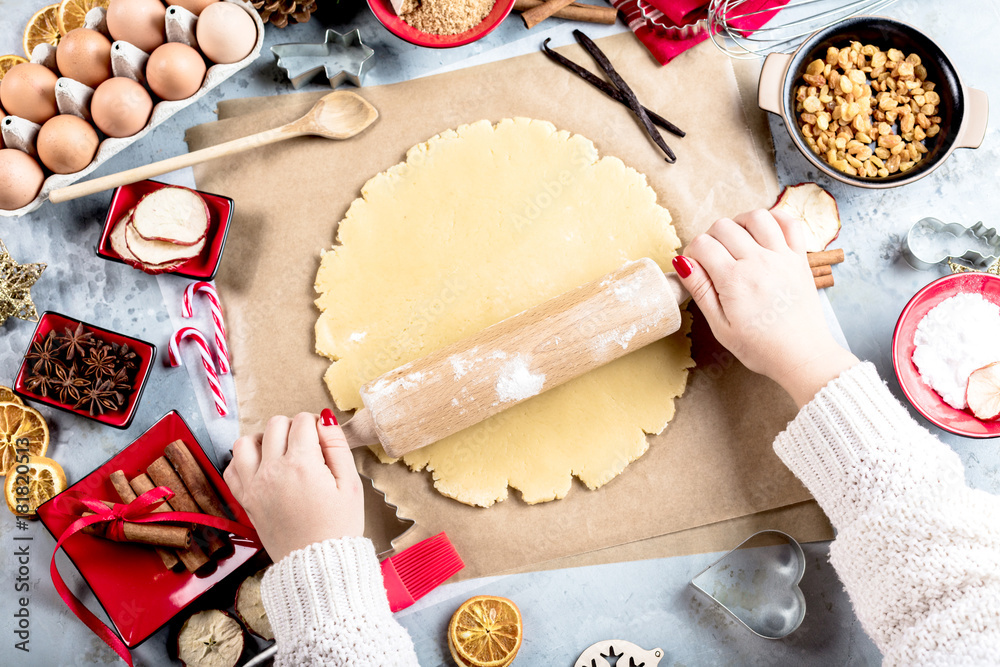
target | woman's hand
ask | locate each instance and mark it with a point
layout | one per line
(298, 483)
(750, 278)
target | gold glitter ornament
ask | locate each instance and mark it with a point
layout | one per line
(15, 287)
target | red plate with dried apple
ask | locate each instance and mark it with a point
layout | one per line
(921, 396)
(130, 582)
(201, 263)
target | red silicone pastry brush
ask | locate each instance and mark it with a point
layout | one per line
(415, 572)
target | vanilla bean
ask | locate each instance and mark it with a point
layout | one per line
(606, 87)
(633, 102)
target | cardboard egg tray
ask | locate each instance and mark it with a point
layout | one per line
(161, 111)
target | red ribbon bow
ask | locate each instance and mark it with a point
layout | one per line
(139, 510)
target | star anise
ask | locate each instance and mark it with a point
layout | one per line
(44, 354)
(100, 362)
(76, 342)
(121, 387)
(39, 384)
(127, 359)
(67, 385)
(97, 398)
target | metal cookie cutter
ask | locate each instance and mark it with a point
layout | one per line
(931, 242)
(341, 57)
(758, 583)
(626, 653)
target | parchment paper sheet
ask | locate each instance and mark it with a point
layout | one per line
(713, 463)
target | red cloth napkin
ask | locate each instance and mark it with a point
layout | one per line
(660, 24)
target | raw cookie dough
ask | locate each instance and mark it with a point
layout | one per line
(477, 225)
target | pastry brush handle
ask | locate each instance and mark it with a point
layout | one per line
(536, 350)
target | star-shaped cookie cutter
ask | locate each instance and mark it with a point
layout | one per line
(341, 57)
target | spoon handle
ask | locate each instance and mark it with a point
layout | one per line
(171, 164)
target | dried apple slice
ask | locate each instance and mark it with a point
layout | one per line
(250, 606)
(816, 208)
(983, 392)
(158, 253)
(172, 214)
(117, 239)
(210, 638)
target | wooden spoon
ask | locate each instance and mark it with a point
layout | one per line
(339, 115)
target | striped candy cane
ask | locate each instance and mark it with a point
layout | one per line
(187, 310)
(174, 353)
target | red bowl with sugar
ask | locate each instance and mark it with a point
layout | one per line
(202, 267)
(927, 401)
(51, 321)
(386, 15)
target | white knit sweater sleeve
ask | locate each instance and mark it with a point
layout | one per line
(918, 550)
(327, 605)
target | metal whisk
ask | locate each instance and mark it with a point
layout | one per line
(793, 23)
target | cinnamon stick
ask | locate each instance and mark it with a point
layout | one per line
(178, 537)
(825, 270)
(127, 495)
(163, 474)
(824, 281)
(835, 256)
(575, 11)
(194, 558)
(194, 479)
(536, 15)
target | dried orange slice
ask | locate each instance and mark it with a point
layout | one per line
(6, 62)
(42, 28)
(22, 431)
(31, 483)
(73, 12)
(7, 395)
(485, 632)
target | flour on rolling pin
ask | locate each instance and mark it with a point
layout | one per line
(522, 356)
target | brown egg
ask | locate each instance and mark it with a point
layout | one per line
(66, 144)
(120, 107)
(175, 71)
(85, 55)
(226, 33)
(193, 6)
(20, 179)
(141, 23)
(29, 91)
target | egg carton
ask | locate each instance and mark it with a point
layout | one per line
(23, 131)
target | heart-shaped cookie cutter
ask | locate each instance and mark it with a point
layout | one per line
(757, 583)
(931, 242)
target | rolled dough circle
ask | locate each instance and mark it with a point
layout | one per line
(478, 224)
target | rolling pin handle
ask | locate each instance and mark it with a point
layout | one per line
(360, 429)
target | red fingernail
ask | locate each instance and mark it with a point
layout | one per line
(328, 418)
(683, 266)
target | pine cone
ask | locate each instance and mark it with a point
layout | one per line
(277, 12)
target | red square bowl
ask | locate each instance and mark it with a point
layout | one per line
(130, 582)
(50, 321)
(202, 267)
(921, 396)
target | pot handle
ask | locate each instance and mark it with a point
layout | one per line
(977, 114)
(769, 87)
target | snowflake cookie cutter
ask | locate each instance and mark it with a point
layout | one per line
(757, 583)
(625, 653)
(341, 57)
(972, 247)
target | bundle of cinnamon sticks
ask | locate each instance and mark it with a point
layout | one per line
(179, 471)
(822, 263)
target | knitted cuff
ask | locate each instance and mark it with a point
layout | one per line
(837, 439)
(333, 580)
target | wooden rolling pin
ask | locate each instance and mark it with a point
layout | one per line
(536, 350)
(473, 379)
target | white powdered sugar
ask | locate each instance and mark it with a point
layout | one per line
(958, 336)
(358, 336)
(516, 382)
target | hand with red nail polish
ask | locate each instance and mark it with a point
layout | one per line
(750, 278)
(298, 483)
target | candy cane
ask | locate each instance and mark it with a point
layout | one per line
(187, 310)
(206, 360)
